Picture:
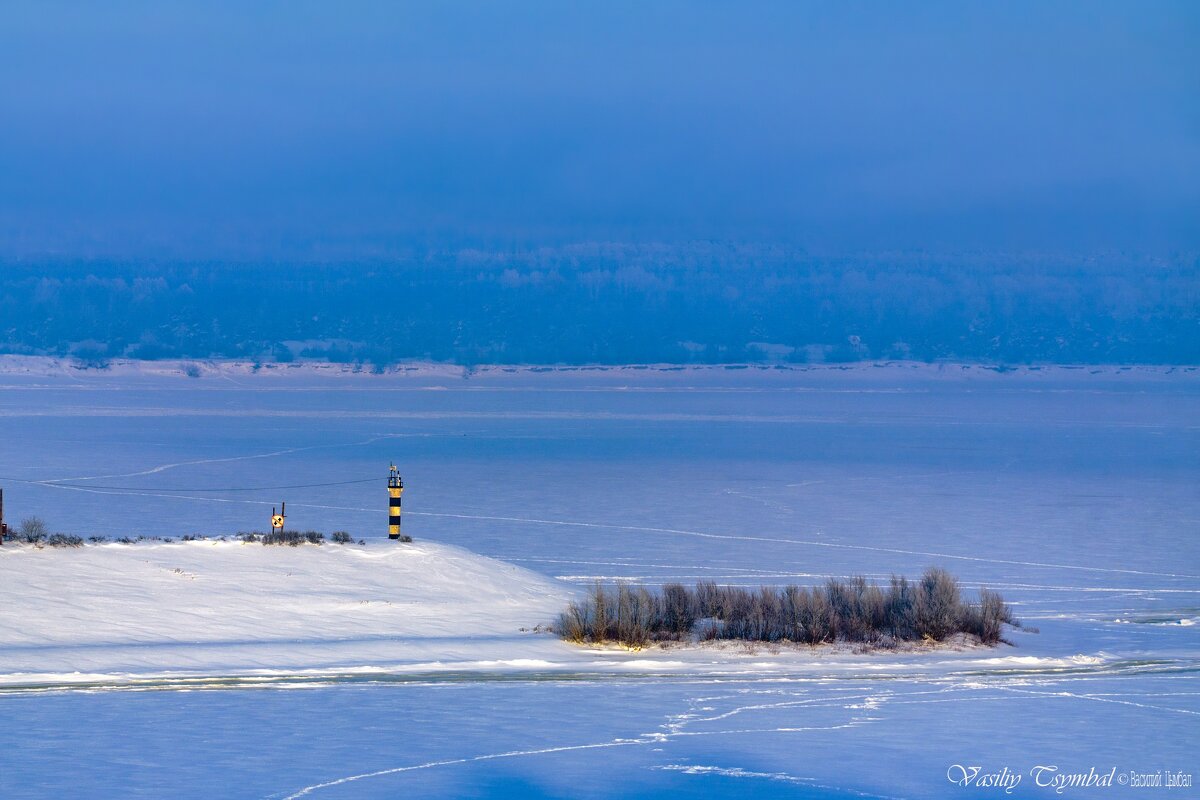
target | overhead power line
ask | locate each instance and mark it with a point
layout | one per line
(68, 485)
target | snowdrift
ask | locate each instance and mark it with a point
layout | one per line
(211, 606)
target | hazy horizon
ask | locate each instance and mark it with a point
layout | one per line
(538, 183)
(301, 132)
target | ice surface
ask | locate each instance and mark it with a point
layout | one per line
(1072, 491)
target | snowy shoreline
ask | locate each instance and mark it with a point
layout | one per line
(211, 606)
(213, 614)
(193, 369)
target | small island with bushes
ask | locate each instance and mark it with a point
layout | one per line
(854, 611)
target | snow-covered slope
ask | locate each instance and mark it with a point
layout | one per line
(211, 606)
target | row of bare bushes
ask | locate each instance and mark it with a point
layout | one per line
(853, 610)
(35, 532)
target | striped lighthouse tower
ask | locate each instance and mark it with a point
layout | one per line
(395, 489)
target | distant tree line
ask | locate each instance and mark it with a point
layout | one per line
(613, 304)
(853, 610)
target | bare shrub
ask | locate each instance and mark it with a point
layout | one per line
(900, 609)
(987, 618)
(938, 604)
(858, 609)
(677, 610)
(599, 631)
(32, 530)
(573, 624)
(635, 615)
(817, 618)
(708, 602)
(341, 537)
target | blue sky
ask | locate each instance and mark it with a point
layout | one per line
(211, 130)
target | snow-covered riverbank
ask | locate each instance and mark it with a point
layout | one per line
(174, 614)
(847, 375)
(224, 607)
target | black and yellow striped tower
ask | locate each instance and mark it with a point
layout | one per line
(395, 489)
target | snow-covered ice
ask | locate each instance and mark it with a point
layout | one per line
(207, 669)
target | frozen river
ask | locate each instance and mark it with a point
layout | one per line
(1072, 492)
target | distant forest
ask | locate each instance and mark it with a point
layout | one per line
(613, 304)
